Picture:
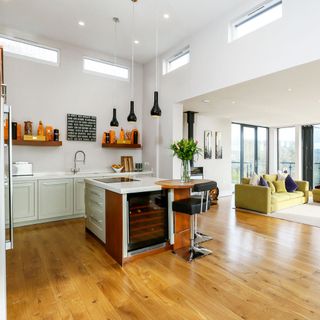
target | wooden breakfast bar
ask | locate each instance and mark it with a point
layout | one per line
(180, 230)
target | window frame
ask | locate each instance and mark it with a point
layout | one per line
(102, 74)
(34, 44)
(255, 12)
(255, 127)
(278, 144)
(181, 53)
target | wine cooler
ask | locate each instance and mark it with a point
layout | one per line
(148, 219)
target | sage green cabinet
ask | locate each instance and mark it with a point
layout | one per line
(55, 198)
(79, 194)
(24, 201)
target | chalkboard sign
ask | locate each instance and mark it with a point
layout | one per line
(81, 127)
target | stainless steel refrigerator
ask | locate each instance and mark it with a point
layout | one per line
(6, 220)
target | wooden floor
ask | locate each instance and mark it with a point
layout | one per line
(261, 268)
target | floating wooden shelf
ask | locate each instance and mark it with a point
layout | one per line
(36, 143)
(121, 146)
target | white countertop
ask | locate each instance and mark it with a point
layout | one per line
(143, 184)
(81, 174)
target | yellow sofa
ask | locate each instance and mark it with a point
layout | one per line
(261, 199)
(316, 195)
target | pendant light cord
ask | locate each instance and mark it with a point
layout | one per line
(116, 21)
(115, 52)
(157, 46)
(132, 52)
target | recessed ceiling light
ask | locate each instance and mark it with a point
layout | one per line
(206, 101)
(289, 89)
(136, 41)
(166, 16)
(81, 23)
(233, 102)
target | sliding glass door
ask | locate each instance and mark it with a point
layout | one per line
(316, 155)
(287, 150)
(235, 152)
(263, 150)
(250, 152)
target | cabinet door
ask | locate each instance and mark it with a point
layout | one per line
(55, 198)
(24, 201)
(79, 203)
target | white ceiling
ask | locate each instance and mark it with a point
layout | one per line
(286, 98)
(58, 20)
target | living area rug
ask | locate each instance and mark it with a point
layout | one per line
(306, 213)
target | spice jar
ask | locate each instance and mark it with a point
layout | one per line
(49, 133)
(56, 135)
(28, 128)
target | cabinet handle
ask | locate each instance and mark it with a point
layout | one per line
(54, 183)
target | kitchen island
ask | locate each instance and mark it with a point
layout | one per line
(133, 216)
(130, 215)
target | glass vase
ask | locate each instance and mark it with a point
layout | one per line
(185, 171)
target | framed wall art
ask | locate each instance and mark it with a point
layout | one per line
(207, 148)
(218, 145)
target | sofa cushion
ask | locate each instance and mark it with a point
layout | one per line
(280, 186)
(281, 175)
(263, 182)
(245, 180)
(279, 197)
(271, 186)
(270, 177)
(295, 194)
(291, 186)
(254, 180)
(286, 196)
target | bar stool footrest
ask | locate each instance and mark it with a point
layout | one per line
(200, 237)
(198, 252)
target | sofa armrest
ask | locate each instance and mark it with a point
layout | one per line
(304, 187)
(255, 198)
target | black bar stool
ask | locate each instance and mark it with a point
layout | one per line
(204, 189)
(194, 206)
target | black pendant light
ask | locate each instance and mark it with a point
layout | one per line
(114, 122)
(156, 111)
(132, 117)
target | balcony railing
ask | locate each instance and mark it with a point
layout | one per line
(316, 173)
(248, 170)
(289, 165)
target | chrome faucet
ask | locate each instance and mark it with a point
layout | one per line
(75, 169)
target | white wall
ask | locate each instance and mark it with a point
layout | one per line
(218, 170)
(216, 63)
(39, 91)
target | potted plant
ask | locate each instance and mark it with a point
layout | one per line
(185, 150)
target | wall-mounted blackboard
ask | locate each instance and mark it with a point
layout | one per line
(81, 127)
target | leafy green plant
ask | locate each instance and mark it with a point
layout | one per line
(185, 149)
